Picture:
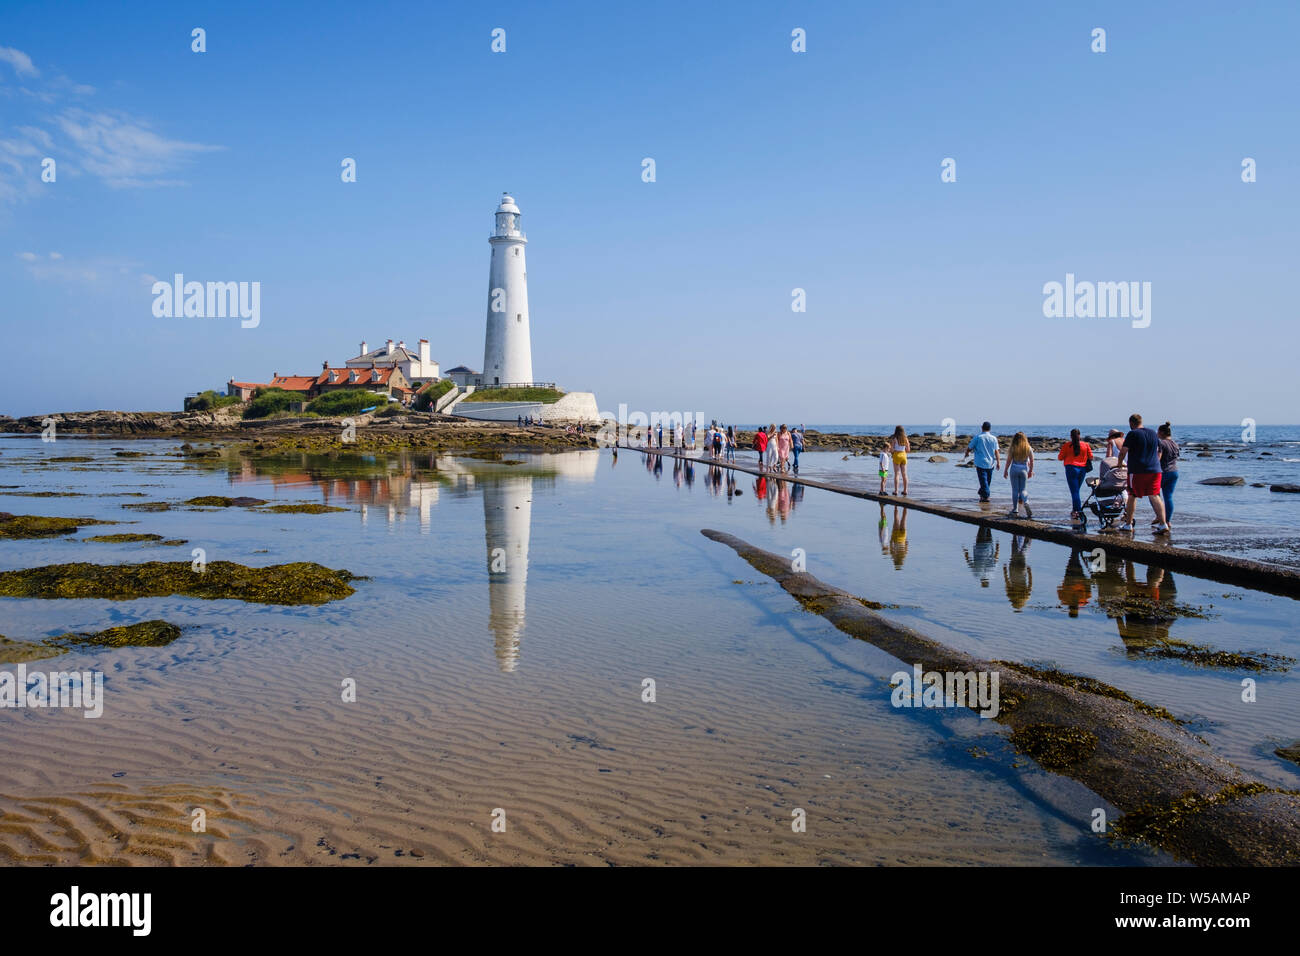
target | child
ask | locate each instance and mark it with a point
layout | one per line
(884, 464)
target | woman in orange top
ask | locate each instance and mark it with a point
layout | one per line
(1077, 457)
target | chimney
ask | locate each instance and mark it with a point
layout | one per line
(390, 345)
(424, 354)
(363, 346)
(325, 364)
(402, 344)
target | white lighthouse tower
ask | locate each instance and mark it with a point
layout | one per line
(507, 349)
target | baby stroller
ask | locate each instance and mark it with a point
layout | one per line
(1108, 496)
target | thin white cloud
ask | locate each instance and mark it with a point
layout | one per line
(20, 61)
(37, 136)
(53, 267)
(124, 151)
(19, 169)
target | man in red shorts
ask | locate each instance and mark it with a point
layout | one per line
(1142, 449)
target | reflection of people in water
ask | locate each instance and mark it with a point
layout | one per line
(884, 527)
(1076, 587)
(898, 538)
(783, 500)
(614, 457)
(658, 465)
(796, 493)
(1135, 604)
(731, 485)
(1143, 624)
(713, 480)
(760, 489)
(690, 473)
(677, 472)
(1017, 577)
(983, 557)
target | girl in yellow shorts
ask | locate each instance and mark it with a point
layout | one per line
(899, 446)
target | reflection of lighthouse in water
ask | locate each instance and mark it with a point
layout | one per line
(507, 519)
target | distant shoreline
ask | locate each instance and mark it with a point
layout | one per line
(423, 429)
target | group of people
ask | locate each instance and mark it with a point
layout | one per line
(720, 443)
(894, 454)
(776, 448)
(1115, 584)
(1150, 458)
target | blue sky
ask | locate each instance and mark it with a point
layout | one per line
(775, 170)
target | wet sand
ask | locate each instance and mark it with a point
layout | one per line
(470, 699)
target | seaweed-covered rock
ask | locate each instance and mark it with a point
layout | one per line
(38, 526)
(303, 509)
(301, 582)
(1223, 480)
(19, 652)
(1055, 746)
(123, 538)
(220, 501)
(142, 634)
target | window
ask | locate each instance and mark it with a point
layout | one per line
(519, 316)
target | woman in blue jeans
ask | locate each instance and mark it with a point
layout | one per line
(1019, 468)
(1169, 454)
(1076, 456)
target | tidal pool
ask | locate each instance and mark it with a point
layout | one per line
(507, 619)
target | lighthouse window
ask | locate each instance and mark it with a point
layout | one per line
(519, 316)
(516, 252)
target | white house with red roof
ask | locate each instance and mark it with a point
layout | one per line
(386, 380)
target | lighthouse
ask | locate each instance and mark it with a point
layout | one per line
(507, 348)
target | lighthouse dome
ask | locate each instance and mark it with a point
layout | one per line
(507, 204)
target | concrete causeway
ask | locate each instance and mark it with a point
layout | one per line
(1241, 572)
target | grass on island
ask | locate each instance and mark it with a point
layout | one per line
(347, 401)
(526, 394)
(428, 396)
(268, 401)
(208, 400)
